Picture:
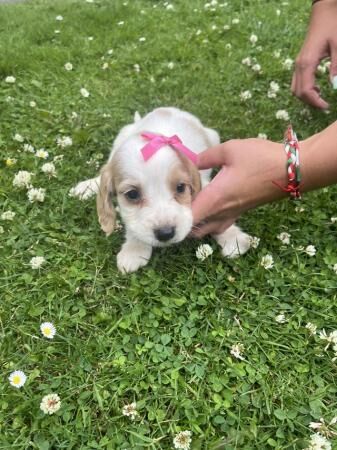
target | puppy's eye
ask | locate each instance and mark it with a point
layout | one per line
(133, 195)
(181, 188)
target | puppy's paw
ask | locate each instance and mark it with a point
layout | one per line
(234, 242)
(85, 189)
(133, 256)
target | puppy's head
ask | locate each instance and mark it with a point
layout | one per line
(154, 197)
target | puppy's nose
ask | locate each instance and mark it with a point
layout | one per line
(165, 233)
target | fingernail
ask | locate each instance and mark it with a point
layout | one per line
(334, 82)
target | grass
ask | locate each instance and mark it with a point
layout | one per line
(161, 337)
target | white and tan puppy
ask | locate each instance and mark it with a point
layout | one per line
(155, 196)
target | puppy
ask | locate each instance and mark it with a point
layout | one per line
(154, 193)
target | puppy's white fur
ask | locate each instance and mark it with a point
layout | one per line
(161, 205)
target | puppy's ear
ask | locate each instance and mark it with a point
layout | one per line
(105, 209)
(193, 173)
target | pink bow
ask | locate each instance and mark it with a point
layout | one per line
(158, 141)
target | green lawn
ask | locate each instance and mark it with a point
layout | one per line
(161, 337)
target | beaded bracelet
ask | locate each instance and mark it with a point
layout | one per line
(292, 149)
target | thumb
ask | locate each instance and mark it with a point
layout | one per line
(213, 156)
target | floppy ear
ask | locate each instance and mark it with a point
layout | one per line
(105, 209)
(193, 172)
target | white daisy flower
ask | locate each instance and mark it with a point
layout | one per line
(22, 179)
(49, 169)
(8, 215)
(32, 104)
(319, 442)
(254, 241)
(280, 318)
(245, 95)
(64, 141)
(84, 93)
(310, 250)
(41, 153)
(237, 350)
(311, 327)
(48, 330)
(130, 410)
(267, 262)
(203, 251)
(36, 262)
(10, 79)
(28, 148)
(17, 137)
(262, 136)
(183, 440)
(36, 195)
(288, 63)
(68, 66)
(59, 18)
(284, 238)
(17, 378)
(50, 404)
(253, 39)
(282, 114)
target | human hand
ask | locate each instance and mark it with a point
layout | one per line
(320, 42)
(249, 167)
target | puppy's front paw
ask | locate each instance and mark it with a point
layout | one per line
(133, 256)
(85, 189)
(234, 242)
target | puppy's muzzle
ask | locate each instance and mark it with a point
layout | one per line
(164, 234)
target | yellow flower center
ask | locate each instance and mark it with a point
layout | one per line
(16, 379)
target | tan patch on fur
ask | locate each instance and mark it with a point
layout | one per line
(187, 173)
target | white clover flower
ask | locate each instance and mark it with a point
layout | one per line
(214, 27)
(237, 350)
(280, 318)
(317, 425)
(226, 27)
(169, 7)
(334, 268)
(1, 230)
(28, 148)
(32, 104)
(245, 95)
(319, 442)
(90, 38)
(310, 250)
(311, 327)
(198, 32)
(8, 215)
(10, 79)
(235, 21)
(17, 137)
(183, 440)
(49, 169)
(203, 251)
(333, 219)
(48, 330)
(84, 93)
(253, 39)
(17, 378)
(120, 23)
(110, 51)
(36, 195)
(137, 68)
(331, 338)
(57, 31)
(142, 39)
(105, 66)
(64, 141)
(42, 153)
(228, 46)
(254, 241)
(282, 114)
(278, 12)
(284, 238)
(262, 136)
(231, 279)
(50, 404)
(256, 68)
(22, 179)
(59, 18)
(277, 53)
(68, 66)
(130, 410)
(170, 65)
(247, 61)
(288, 63)
(321, 69)
(273, 89)
(36, 262)
(267, 262)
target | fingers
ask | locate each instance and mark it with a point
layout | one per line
(205, 202)
(214, 156)
(214, 227)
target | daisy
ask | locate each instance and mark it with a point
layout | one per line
(8, 215)
(319, 442)
(41, 153)
(18, 137)
(49, 169)
(36, 262)
(237, 350)
(310, 250)
(267, 262)
(84, 93)
(203, 251)
(68, 66)
(130, 410)
(282, 114)
(254, 241)
(36, 195)
(64, 141)
(48, 330)
(183, 440)
(22, 179)
(245, 95)
(10, 79)
(50, 404)
(311, 327)
(17, 378)
(284, 238)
